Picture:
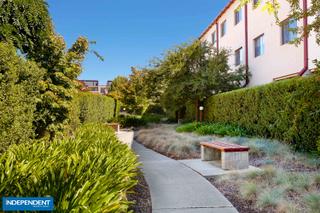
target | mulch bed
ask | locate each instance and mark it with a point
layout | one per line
(140, 196)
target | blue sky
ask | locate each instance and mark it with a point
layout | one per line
(130, 33)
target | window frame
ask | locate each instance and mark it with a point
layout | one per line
(223, 28)
(237, 16)
(214, 37)
(238, 56)
(262, 46)
(285, 31)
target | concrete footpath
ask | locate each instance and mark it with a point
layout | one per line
(175, 188)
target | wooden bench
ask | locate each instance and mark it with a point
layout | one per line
(232, 156)
(114, 126)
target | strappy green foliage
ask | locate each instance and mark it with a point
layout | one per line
(91, 172)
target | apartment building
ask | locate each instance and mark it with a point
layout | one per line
(94, 86)
(256, 41)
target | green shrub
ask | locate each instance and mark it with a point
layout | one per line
(286, 110)
(211, 129)
(91, 172)
(88, 108)
(131, 121)
(20, 81)
(188, 127)
(155, 109)
(152, 118)
(220, 129)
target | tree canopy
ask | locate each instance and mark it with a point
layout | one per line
(188, 72)
(27, 25)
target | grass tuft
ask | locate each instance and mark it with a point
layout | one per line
(313, 202)
(248, 190)
(270, 198)
(316, 179)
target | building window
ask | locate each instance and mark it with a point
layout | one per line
(237, 16)
(239, 56)
(255, 3)
(259, 46)
(223, 28)
(289, 30)
(214, 40)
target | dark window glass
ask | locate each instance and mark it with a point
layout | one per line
(259, 46)
(289, 30)
(238, 56)
(223, 28)
(237, 16)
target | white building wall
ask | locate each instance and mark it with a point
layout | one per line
(278, 60)
(235, 34)
(314, 48)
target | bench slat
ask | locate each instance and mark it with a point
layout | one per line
(226, 147)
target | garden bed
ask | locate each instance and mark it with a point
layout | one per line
(288, 182)
(140, 196)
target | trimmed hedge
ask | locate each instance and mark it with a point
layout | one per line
(89, 108)
(287, 110)
(20, 82)
(91, 172)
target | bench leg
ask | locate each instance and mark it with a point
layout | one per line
(234, 160)
(208, 154)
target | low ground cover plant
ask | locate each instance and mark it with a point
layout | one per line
(164, 139)
(212, 129)
(275, 190)
(90, 172)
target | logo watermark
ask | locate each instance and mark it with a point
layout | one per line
(27, 203)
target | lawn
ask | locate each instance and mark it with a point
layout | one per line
(288, 182)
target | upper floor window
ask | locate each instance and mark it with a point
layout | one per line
(289, 31)
(223, 28)
(214, 38)
(259, 46)
(237, 16)
(239, 56)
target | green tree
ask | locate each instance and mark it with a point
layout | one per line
(196, 71)
(20, 82)
(131, 92)
(27, 24)
(62, 69)
(137, 82)
(119, 88)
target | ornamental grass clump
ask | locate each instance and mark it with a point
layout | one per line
(90, 172)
